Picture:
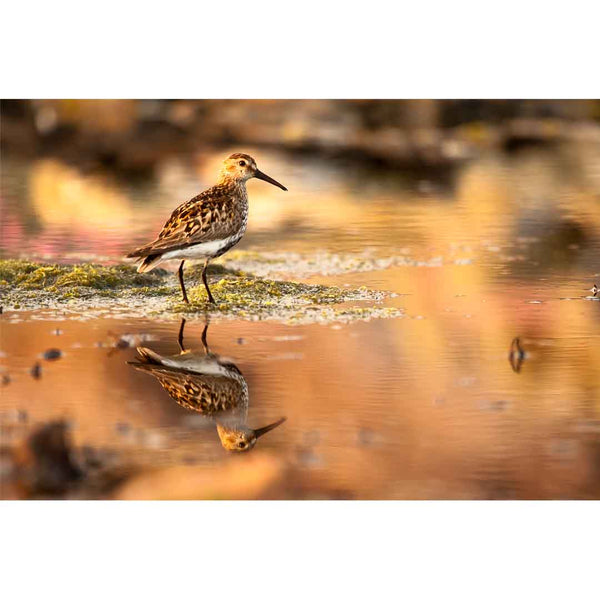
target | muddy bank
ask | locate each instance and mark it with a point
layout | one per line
(120, 290)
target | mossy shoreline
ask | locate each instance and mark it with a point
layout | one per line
(26, 285)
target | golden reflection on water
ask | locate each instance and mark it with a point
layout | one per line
(427, 406)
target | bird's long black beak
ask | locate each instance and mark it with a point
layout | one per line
(263, 430)
(261, 175)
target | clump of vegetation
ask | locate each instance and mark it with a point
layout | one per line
(249, 297)
(30, 285)
(28, 275)
(26, 283)
(249, 291)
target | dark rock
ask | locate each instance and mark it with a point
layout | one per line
(45, 464)
(52, 354)
(36, 370)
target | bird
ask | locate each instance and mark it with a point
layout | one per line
(208, 225)
(594, 289)
(210, 385)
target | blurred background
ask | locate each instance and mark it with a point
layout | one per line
(481, 217)
(134, 136)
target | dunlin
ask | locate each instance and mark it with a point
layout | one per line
(208, 225)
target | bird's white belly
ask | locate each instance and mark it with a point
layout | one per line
(205, 250)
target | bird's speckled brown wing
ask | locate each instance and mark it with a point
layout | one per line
(215, 214)
(206, 394)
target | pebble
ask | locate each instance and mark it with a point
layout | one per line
(52, 354)
(36, 370)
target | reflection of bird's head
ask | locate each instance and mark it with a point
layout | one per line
(241, 438)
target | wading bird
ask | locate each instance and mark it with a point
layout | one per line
(208, 225)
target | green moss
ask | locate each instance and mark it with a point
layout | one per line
(26, 275)
(88, 286)
(244, 295)
(26, 282)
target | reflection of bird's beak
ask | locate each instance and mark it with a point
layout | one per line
(263, 430)
(261, 175)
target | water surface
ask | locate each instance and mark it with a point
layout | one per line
(423, 406)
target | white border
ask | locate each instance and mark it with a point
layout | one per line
(300, 549)
(312, 49)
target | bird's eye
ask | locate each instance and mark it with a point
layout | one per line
(241, 445)
(242, 163)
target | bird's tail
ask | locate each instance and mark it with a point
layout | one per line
(149, 356)
(148, 263)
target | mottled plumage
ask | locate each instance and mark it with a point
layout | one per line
(200, 392)
(209, 385)
(209, 224)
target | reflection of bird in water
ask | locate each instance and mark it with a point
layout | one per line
(208, 225)
(516, 355)
(210, 385)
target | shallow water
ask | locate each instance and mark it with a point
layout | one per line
(423, 406)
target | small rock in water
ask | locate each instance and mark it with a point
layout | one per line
(36, 370)
(57, 332)
(46, 465)
(52, 354)
(241, 341)
(5, 379)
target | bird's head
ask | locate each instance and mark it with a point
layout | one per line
(241, 167)
(242, 439)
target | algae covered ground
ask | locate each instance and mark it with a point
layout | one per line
(120, 290)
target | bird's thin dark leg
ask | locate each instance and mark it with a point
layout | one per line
(180, 336)
(180, 274)
(210, 296)
(204, 340)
